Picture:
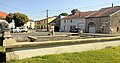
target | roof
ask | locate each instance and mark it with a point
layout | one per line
(46, 18)
(105, 12)
(3, 14)
(79, 15)
(57, 19)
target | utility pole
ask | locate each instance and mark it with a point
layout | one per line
(112, 4)
(47, 18)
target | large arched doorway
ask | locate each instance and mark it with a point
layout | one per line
(91, 27)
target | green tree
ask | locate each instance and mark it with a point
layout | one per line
(9, 17)
(74, 11)
(20, 19)
(64, 14)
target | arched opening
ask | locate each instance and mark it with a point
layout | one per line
(91, 27)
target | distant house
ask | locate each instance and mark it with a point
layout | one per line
(30, 24)
(3, 22)
(56, 22)
(12, 24)
(105, 20)
(37, 24)
(74, 21)
(42, 24)
(3, 15)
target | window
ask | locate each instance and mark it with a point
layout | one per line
(117, 29)
(45, 21)
(41, 26)
(55, 22)
(102, 29)
(72, 27)
(64, 27)
(45, 26)
(64, 21)
(71, 21)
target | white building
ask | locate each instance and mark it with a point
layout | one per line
(3, 24)
(12, 24)
(30, 24)
(74, 21)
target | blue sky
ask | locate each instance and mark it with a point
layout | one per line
(36, 9)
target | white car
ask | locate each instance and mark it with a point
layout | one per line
(15, 30)
(23, 30)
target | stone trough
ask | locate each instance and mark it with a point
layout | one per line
(22, 50)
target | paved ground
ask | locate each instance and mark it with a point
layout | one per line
(37, 34)
(22, 37)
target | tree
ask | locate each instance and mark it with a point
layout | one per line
(64, 14)
(9, 17)
(75, 11)
(19, 19)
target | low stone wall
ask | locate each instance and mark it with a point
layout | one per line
(31, 49)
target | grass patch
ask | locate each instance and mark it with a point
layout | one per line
(107, 55)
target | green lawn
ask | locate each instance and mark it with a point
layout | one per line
(108, 55)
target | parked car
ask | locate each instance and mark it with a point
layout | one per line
(15, 30)
(23, 29)
(74, 30)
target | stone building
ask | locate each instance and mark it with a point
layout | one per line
(105, 20)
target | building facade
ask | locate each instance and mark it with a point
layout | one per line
(56, 23)
(105, 20)
(30, 24)
(42, 24)
(75, 21)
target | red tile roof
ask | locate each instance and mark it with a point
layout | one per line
(3, 14)
(79, 15)
(105, 12)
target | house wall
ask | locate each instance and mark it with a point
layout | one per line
(100, 22)
(115, 22)
(37, 24)
(12, 24)
(96, 21)
(30, 24)
(58, 23)
(43, 23)
(75, 22)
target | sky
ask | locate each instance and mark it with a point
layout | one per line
(36, 9)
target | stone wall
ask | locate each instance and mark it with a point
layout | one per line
(115, 22)
(99, 22)
(32, 49)
(21, 53)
